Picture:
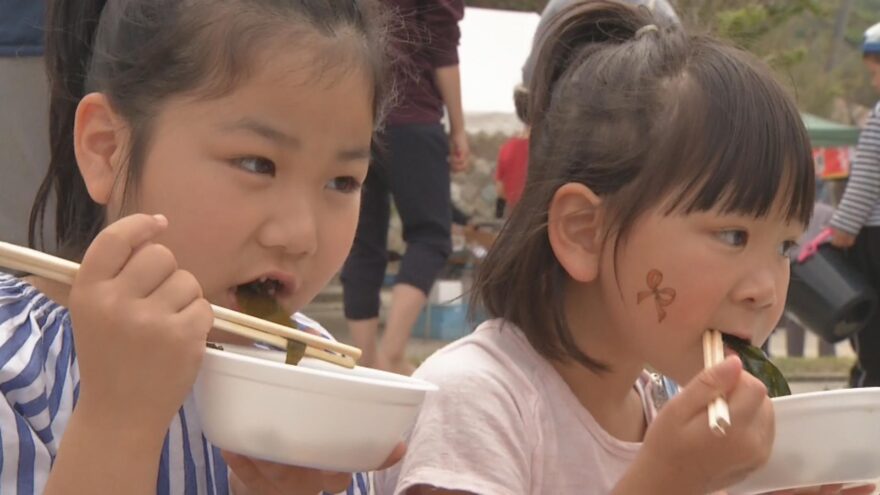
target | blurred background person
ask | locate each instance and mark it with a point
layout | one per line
(856, 223)
(24, 113)
(513, 160)
(411, 165)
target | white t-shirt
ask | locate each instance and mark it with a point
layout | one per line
(504, 422)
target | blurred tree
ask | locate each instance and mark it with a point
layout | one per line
(813, 44)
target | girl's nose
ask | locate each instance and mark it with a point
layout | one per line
(760, 290)
(291, 227)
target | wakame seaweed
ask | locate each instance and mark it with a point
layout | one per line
(755, 362)
(260, 304)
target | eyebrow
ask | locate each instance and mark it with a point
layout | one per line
(263, 130)
(272, 134)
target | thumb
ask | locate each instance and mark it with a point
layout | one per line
(708, 385)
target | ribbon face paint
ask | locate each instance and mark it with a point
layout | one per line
(662, 296)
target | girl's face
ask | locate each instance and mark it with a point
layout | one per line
(684, 273)
(262, 182)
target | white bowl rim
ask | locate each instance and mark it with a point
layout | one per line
(400, 382)
(866, 392)
(808, 405)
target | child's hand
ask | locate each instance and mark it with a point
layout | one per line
(459, 151)
(140, 326)
(254, 477)
(682, 455)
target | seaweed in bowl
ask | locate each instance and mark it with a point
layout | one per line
(756, 362)
(258, 299)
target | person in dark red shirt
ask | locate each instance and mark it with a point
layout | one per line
(513, 159)
(412, 164)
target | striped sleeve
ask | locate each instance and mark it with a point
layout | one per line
(38, 382)
(360, 482)
(863, 188)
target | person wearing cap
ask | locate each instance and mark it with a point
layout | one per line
(24, 114)
(856, 223)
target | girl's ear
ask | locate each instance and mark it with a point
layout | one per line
(575, 230)
(99, 138)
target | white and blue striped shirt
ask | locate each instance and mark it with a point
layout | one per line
(860, 204)
(39, 381)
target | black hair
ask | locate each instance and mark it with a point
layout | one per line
(646, 115)
(139, 53)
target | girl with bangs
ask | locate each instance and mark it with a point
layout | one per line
(669, 177)
(198, 148)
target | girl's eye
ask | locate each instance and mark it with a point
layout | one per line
(344, 185)
(736, 238)
(256, 165)
(786, 248)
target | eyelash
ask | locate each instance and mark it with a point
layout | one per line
(345, 185)
(785, 248)
(744, 241)
(269, 165)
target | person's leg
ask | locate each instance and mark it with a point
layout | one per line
(419, 179)
(826, 348)
(24, 143)
(794, 337)
(364, 270)
(865, 255)
(407, 302)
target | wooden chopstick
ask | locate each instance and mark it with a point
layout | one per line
(713, 353)
(281, 342)
(245, 320)
(64, 271)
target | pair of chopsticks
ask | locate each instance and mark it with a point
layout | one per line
(713, 353)
(64, 271)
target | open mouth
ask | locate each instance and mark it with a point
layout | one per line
(262, 287)
(259, 299)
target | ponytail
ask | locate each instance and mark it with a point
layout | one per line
(574, 35)
(71, 27)
(507, 277)
(627, 103)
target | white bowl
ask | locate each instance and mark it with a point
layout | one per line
(821, 438)
(315, 414)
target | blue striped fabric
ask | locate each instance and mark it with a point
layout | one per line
(860, 204)
(39, 380)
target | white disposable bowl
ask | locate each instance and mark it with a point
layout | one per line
(315, 414)
(821, 438)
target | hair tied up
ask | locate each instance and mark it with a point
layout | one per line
(645, 30)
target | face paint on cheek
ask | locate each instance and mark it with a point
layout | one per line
(662, 296)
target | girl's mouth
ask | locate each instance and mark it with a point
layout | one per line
(259, 299)
(265, 289)
(264, 286)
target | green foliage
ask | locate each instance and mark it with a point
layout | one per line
(800, 39)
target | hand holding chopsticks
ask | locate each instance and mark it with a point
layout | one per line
(64, 271)
(713, 354)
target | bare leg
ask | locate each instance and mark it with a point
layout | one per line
(406, 303)
(365, 334)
